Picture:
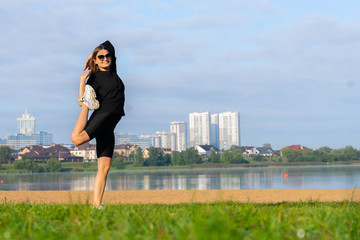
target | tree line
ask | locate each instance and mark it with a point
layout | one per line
(51, 165)
(191, 156)
(323, 154)
(157, 157)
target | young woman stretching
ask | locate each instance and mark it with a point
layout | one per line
(103, 92)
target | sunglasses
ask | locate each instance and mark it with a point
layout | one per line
(101, 57)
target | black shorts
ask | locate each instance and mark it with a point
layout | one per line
(101, 126)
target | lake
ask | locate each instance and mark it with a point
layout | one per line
(308, 177)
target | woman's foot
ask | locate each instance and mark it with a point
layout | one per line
(89, 98)
(98, 207)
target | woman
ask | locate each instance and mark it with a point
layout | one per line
(104, 92)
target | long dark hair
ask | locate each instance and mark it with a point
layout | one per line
(110, 48)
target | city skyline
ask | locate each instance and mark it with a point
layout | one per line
(289, 67)
(162, 139)
(226, 126)
(26, 134)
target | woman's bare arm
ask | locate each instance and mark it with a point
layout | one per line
(87, 62)
(83, 78)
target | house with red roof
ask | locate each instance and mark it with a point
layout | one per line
(41, 153)
(298, 148)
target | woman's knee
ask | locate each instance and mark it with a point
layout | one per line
(75, 139)
(78, 139)
(104, 164)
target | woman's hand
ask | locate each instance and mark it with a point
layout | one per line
(85, 75)
(87, 62)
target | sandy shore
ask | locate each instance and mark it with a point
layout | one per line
(183, 196)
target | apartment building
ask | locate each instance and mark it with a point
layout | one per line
(180, 130)
(199, 128)
(229, 130)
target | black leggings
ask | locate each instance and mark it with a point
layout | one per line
(101, 126)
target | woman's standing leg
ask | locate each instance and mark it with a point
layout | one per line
(100, 179)
(105, 143)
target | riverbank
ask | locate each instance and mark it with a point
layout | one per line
(183, 196)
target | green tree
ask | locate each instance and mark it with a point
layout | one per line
(291, 155)
(28, 164)
(324, 154)
(351, 154)
(328, 158)
(258, 158)
(214, 156)
(5, 153)
(154, 156)
(325, 149)
(237, 157)
(53, 165)
(309, 156)
(118, 163)
(116, 155)
(167, 159)
(139, 158)
(268, 145)
(191, 156)
(226, 157)
(177, 159)
(233, 147)
(132, 156)
(160, 158)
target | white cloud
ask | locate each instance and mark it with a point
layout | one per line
(181, 56)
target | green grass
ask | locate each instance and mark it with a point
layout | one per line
(222, 220)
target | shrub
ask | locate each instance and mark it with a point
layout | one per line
(53, 165)
(118, 163)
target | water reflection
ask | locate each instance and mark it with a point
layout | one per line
(318, 177)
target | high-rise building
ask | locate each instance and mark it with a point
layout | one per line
(179, 128)
(3, 141)
(142, 141)
(166, 139)
(145, 141)
(19, 140)
(26, 135)
(214, 128)
(43, 138)
(199, 126)
(26, 123)
(121, 138)
(229, 130)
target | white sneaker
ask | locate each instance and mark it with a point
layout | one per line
(89, 98)
(99, 207)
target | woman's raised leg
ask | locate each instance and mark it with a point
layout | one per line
(78, 135)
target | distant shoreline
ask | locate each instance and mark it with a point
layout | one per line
(80, 167)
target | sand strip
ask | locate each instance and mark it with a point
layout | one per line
(183, 196)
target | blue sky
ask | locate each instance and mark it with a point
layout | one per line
(289, 67)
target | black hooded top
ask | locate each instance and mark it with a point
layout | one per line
(109, 88)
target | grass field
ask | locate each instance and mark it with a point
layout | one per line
(221, 220)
